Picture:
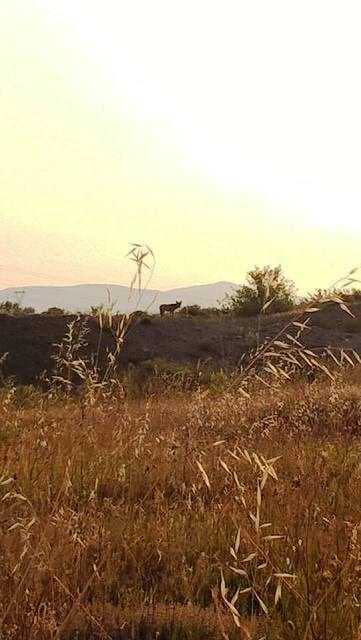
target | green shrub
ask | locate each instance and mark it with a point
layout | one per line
(266, 290)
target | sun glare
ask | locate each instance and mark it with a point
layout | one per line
(196, 122)
(244, 89)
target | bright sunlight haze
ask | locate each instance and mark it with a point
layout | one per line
(222, 134)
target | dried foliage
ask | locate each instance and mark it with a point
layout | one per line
(245, 511)
(184, 514)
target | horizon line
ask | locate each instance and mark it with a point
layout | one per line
(115, 284)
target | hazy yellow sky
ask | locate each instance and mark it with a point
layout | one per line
(223, 133)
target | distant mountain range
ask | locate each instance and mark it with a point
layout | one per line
(82, 296)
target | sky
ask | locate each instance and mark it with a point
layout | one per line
(222, 133)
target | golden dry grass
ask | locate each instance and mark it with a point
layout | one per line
(174, 515)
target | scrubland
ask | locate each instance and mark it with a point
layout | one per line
(187, 515)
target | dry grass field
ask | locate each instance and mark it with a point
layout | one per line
(183, 516)
(194, 505)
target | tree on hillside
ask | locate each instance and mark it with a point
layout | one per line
(266, 290)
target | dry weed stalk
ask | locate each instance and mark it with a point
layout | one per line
(279, 358)
(91, 377)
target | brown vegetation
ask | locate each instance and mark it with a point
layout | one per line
(214, 504)
(186, 516)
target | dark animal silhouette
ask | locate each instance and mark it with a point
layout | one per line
(170, 308)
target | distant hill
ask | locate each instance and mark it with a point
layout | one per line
(81, 297)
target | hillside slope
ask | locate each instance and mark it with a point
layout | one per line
(29, 340)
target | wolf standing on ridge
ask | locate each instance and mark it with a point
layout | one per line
(171, 308)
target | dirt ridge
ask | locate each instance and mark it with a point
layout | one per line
(29, 340)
